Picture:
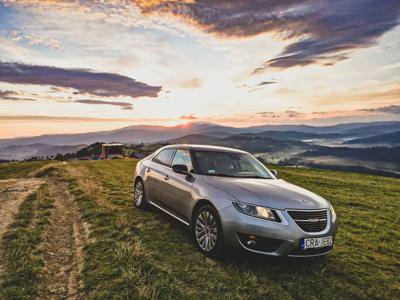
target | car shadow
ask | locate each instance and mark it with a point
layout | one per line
(245, 260)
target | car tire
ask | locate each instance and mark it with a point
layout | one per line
(139, 195)
(207, 231)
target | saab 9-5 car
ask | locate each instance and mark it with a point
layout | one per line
(232, 201)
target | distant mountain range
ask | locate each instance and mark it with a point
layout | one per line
(263, 138)
(150, 134)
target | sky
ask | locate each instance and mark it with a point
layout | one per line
(79, 66)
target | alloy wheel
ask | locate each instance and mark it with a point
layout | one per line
(139, 193)
(206, 231)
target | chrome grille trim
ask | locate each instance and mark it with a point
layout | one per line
(310, 220)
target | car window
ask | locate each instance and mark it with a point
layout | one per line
(182, 157)
(164, 157)
(230, 164)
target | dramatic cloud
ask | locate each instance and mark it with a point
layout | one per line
(85, 81)
(188, 117)
(123, 105)
(325, 31)
(13, 96)
(391, 109)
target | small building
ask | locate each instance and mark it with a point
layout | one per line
(112, 150)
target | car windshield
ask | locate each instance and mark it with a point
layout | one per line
(230, 164)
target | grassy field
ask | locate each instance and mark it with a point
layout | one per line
(22, 255)
(17, 170)
(135, 254)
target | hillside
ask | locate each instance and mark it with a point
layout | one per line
(382, 154)
(392, 138)
(130, 253)
(193, 139)
(150, 134)
(21, 152)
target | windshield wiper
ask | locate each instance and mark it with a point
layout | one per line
(255, 176)
(222, 175)
(235, 176)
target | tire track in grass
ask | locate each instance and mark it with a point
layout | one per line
(20, 252)
(12, 194)
(63, 245)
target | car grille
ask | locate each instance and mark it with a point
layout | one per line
(310, 220)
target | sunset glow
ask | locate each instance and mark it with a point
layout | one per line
(73, 66)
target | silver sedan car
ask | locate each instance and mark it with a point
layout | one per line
(232, 201)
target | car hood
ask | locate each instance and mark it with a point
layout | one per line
(273, 193)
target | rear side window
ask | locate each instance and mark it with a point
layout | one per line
(164, 157)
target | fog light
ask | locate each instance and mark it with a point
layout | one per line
(251, 243)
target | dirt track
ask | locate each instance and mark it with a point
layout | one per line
(12, 194)
(63, 247)
(64, 239)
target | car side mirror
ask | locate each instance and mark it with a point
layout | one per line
(180, 169)
(274, 172)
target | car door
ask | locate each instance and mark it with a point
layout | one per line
(156, 172)
(176, 194)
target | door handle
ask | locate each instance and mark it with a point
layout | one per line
(166, 177)
(147, 170)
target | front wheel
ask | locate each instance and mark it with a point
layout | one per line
(207, 231)
(139, 197)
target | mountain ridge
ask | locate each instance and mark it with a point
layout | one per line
(154, 133)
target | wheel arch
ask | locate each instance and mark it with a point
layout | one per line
(199, 204)
(137, 178)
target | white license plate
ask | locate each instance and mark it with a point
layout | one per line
(318, 242)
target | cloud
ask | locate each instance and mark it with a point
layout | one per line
(11, 96)
(188, 117)
(324, 31)
(268, 114)
(123, 105)
(391, 109)
(35, 40)
(293, 114)
(319, 32)
(266, 83)
(265, 113)
(85, 81)
(191, 83)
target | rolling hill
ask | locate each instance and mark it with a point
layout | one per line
(21, 152)
(150, 134)
(254, 139)
(392, 138)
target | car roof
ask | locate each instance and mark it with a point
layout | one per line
(204, 148)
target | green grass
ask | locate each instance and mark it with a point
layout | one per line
(146, 254)
(21, 256)
(20, 169)
(139, 254)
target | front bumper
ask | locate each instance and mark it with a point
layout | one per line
(273, 238)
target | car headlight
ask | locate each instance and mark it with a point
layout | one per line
(257, 211)
(333, 214)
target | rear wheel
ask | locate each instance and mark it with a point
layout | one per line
(207, 231)
(139, 197)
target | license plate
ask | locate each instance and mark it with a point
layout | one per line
(318, 242)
